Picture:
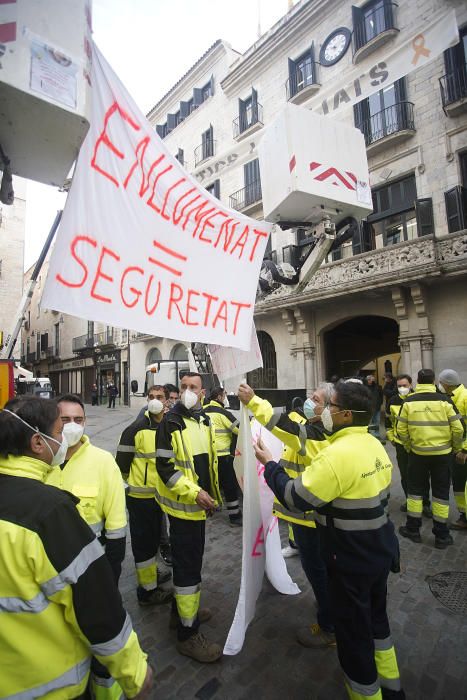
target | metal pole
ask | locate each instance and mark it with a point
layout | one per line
(128, 370)
(7, 351)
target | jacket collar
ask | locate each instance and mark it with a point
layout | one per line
(425, 389)
(179, 411)
(25, 466)
(348, 430)
(458, 391)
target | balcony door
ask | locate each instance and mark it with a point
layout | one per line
(382, 113)
(455, 61)
(252, 181)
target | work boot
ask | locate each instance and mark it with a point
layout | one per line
(460, 524)
(443, 542)
(199, 648)
(314, 637)
(413, 535)
(427, 513)
(166, 554)
(288, 552)
(155, 597)
(235, 520)
(204, 614)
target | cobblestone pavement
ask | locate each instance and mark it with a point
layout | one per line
(431, 641)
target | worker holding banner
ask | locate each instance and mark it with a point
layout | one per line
(226, 427)
(347, 485)
(303, 441)
(187, 489)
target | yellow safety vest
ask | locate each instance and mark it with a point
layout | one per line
(395, 407)
(136, 457)
(226, 427)
(92, 475)
(459, 396)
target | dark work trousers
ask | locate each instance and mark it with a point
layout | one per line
(145, 517)
(403, 464)
(307, 540)
(165, 539)
(361, 625)
(229, 484)
(111, 401)
(187, 542)
(437, 469)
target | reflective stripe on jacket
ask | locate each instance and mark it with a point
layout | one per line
(395, 407)
(59, 604)
(428, 423)
(347, 484)
(136, 457)
(226, 427)
(176, 479)
(302, 441)
(92, 475)
(459, 397)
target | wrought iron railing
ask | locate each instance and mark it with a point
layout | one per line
(251, 116)
(453, 86)
(380, 20)
(205, 150)
(397, 117)
(31, 357)
(302, 77)
(246, 196)
(84, 342)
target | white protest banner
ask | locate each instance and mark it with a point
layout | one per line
(142, 244)
(261, 543)
(231, 362)
(404, 55)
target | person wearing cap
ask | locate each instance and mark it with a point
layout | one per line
(59, 603)
(449, 381)
(226, 427)
(136, 457)
(430, 429)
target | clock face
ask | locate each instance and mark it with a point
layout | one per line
(335, 46)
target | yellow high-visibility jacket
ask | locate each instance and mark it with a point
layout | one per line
(185, 442)
(136, 457)
(226, 427)
(459, 397)
(93, 476)
(302, 441)
(395, 407)
(59, 605)
(428, 423)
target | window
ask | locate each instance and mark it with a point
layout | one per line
(207, 143)
(302, 72)
(394, 219)
(454, 83)
(215, 188)
(383, 113)
(57, 338)
(252, 182)
(265, 377)
(207, 91)
(180, 157)
(248, 111)
(371, 20)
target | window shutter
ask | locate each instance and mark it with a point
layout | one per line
(424, 212)
(254, 106)
(161, 129)
(358, 28)
(171, 122)
(197, 97)
(184, 110)
(367, 236)
(314, 78)
(217, 189)
(212, 85)
(292, 78)
(455, 200)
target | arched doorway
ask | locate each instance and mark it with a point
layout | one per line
(154, 355)
(358, 343)
(265, 377)
(179, 352)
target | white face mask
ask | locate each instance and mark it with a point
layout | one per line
(155, 406)
(326, 419)
(73, 433)
(189, 399)
(59, 456)
(442, 389)
(226, 403)
(403, 390)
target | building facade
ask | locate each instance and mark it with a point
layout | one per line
(12, 232)
(394, 296)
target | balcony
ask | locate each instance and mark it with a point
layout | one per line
(104, 340)
(31, 357)
(204, 151)
(373, 30)
(248, 122)
(302, 83)
(50, 352)
(248, 198)
(82, 342)
(454, 92)
(89, 342)
(390, 126)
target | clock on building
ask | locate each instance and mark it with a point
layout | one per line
(335, 46)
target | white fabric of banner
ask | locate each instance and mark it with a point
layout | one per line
(261, 542)
(231, 362)
(142, 244)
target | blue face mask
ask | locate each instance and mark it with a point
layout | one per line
(309, 408)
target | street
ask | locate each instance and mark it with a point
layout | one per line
(430, 639)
